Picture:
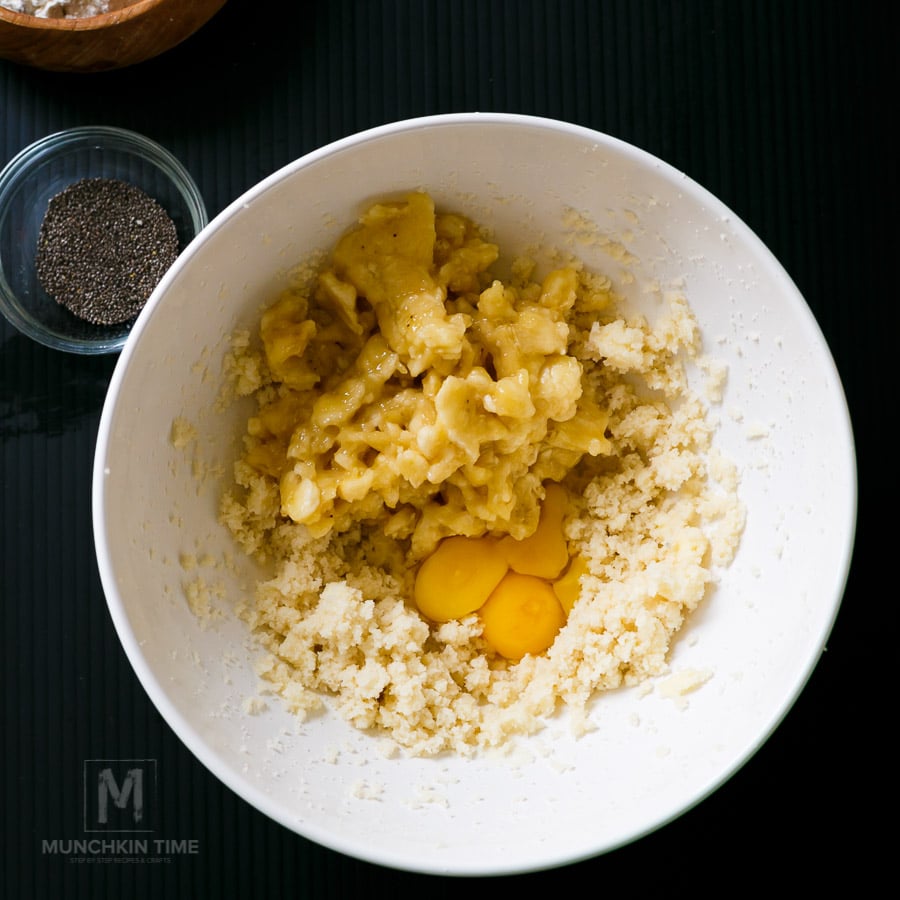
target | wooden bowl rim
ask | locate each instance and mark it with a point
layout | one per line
(81, 23)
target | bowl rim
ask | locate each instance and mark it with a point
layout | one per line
(78, 23)
(152, 681)
(71, 138)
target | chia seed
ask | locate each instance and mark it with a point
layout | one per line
(103, 246)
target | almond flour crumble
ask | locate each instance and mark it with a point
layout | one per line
(343, 499)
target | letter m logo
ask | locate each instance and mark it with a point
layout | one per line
(119, 794)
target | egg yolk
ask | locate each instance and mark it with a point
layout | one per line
(568, 588)
(522, 589)
(544, 553)
(522, 615)
(458, 577)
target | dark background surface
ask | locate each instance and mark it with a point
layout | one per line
(782, 109)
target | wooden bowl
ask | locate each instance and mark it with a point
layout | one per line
(131, 32)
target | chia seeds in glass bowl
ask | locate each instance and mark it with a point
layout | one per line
(102, 248)
(46, 173)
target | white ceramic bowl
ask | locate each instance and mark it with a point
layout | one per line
(760, 635)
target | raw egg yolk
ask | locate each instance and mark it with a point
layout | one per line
(521, 616)
(521, 588)
(568, 588)
(458, 577)
(544, 553)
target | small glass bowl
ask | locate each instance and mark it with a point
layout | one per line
(34, 176)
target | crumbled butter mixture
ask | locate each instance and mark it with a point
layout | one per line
(406, 395)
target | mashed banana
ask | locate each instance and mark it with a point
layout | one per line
(406, 395)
